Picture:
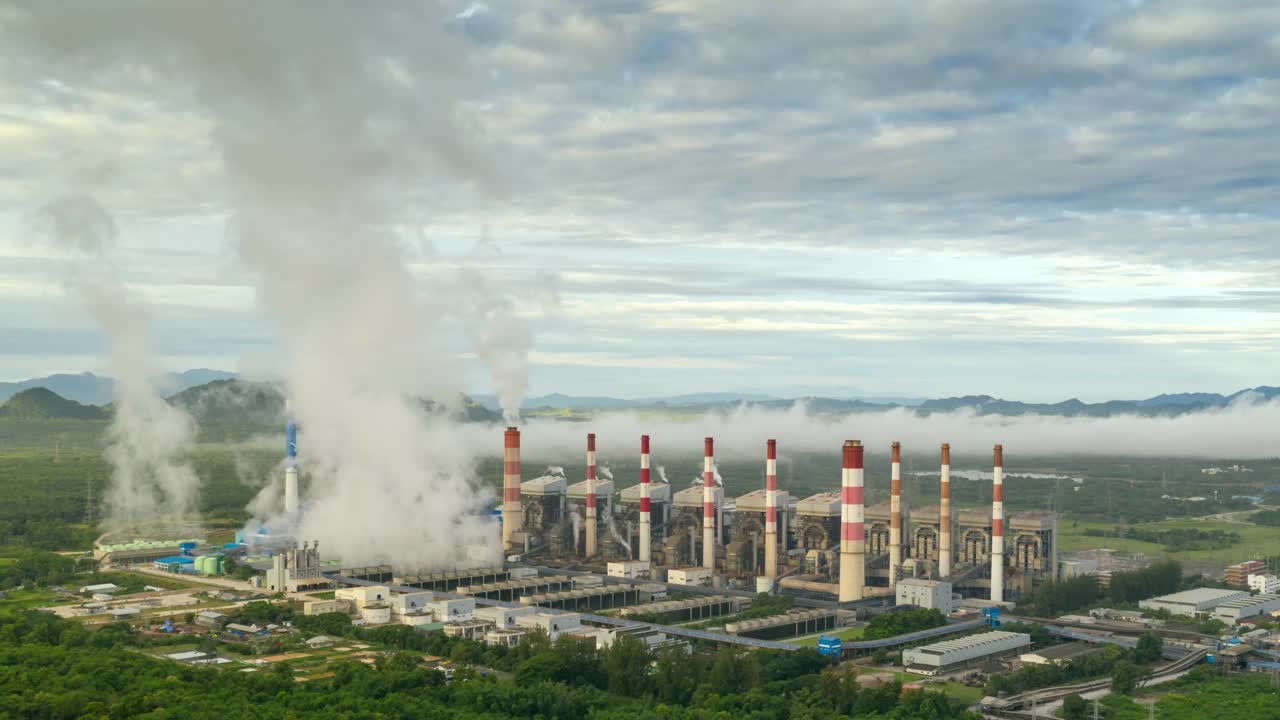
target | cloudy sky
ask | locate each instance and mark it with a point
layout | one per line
(1030, 200)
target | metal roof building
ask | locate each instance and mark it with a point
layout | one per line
(1190, 602)
(1234, 611)
(948, 655)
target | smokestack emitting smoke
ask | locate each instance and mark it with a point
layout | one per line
(771, 509)
(708, 504)
(291, 462)
(853, 545)
(591, 495)
(997, 526)
(944, 515)
(512, 513)
(645, 526)
(895, 515)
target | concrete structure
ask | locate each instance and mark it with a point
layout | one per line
(629, 516)
(448, 610)
(1264, 583)
(1233, 611)
(950, 655)
(1058, 654)
(690, 576)
(297, 570)
(853, 550)
(598, 598)
(1068, 569)
(320, 641)
(513, 590)
(771, 510)
(364, 596)
(997, 527)
(503, 638)
(544, 515)
(551, 624)
(1239, 573)
(631, 569)
(503, 618)
(1192, 602)
(646, 526)
(449, 580)
(512, 511)
(695, 608)
(895, 515)
(101, 589)
(412, 608)
(683, 546)
(592, 524)
(945, 554)
(748, 552)
(709, 510)
(470, 628)
(210, 619)
(376, 614)
(929, 594)
(791, 624)
(321, 607)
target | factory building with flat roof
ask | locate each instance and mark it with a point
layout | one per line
(1233, 611)
(1192, 602)
(950, 655)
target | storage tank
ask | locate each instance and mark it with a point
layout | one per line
(764, 584)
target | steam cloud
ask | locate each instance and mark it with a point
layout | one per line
(153, 485)
(333, 142)
(1242, 430)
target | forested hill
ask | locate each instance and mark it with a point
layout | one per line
(44, 404)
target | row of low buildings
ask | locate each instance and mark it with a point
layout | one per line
(1229, 606)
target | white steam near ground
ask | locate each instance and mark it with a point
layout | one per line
(153, 485)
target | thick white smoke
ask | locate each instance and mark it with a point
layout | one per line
(1244, 430)
(153, 486)
(338, 130)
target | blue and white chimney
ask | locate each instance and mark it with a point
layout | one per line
(291, 462)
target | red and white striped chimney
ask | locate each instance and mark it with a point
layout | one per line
(771, 509)
(645, 527)
(853, 540)
(895, 515)
(512, 512)
(944, 515)
(591, 494)
(997, 526)
(708, 504)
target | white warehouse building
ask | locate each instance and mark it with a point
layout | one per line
(1193, 602)
(949, 655)
(928, 594)
(1236, 610)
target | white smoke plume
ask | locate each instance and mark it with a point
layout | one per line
(555, 470)
(337, 128)
(153, 485)
(1243, 430)
(603, 471)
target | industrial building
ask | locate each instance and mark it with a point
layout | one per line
(696, 608)
(949, 656)
(1265, 584)
(1192, 602)
(929, 594)
(297, 570)
(1058, 654)
(791, 624)
(1238, 574)
(1233, 611)
(819, 543)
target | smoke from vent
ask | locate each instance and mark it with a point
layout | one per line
(334, 144)
(153, 486)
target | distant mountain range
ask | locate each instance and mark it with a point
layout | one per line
(216, 396)
(91, 389)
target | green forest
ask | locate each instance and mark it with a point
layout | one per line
(54, 669)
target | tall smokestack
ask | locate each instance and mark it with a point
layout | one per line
(591, 494)
(853, 542)
(895, 515)
(944, 515)
(645, 527)
(290, 462)
(512, 513)
(771, 509)
(997, 526)
(708, 504)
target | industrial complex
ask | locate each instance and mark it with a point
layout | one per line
(827, 543)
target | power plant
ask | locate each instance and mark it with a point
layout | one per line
(829, 543)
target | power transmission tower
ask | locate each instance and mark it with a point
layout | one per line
(88, 501)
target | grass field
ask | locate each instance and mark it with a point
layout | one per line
(958, 691)
(1254, 539)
